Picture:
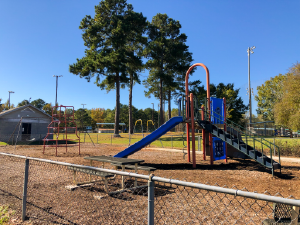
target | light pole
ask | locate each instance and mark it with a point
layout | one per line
(250, 50)
(83, 105)
(9, 98)
(152, 112)
(57, 76)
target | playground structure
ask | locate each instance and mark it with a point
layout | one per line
(61, 121)
(134, 129)
(148, 125)
(212, 123)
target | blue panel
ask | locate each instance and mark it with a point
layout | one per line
(217, 109)
(151, 137)
(219, 149)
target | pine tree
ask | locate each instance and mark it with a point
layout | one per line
(108, 37)
(168, 58)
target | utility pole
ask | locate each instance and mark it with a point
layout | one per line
(153, 112)
(83, 105)
(250, 50)
(9, 98)
(57, 76)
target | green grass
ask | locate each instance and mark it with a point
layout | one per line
(5, 214)
(166, 141)
(2, 143)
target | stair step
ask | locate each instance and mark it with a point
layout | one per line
(262, 159)
(252, 154)
(239, 144)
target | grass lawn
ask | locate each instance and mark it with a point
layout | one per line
(166, 141)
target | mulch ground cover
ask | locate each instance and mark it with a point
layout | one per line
(236, 173)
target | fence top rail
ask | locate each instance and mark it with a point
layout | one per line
(253, 195)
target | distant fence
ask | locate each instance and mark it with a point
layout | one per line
(40, 190)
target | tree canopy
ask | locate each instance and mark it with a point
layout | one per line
(287, 108)
(107, 37)
(235, 106)
(39, 103)
(268, 94)
(168, 58)
(24, 102)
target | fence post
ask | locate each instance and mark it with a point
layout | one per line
(84, 137)
(172, 141)
(25, 189)
(110, 139)
(295, 215)
(150, 201)
(97, 138)
(274, 147)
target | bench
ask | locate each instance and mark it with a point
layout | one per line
(282, 215)
(93, 172)
(132, 167)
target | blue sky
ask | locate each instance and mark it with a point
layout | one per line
(40, 39)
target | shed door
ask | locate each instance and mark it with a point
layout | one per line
(26, 131)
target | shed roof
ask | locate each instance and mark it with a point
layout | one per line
(23, 107)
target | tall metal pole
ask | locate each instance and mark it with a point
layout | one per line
(57, 76)
(250, 50)
(249, 88)
(9, 98)
(83, 105)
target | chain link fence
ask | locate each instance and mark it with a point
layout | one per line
(64, 193)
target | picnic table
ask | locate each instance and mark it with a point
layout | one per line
(116, 161)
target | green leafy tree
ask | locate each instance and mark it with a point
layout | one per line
(5, 106)
(22, 103)
(1, 108)
(82, 118)
(268, 94)
(235, 106)
(48, 109)
(135, 63)
(39, 103)
(287, 109)
(168, 58)
(107, 37)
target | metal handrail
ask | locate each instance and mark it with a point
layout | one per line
(262, 140)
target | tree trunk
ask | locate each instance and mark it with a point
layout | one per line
(169, 104)
(117, 111)
(161, 102)
(130, 105)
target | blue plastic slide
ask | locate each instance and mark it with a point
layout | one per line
(151, 137)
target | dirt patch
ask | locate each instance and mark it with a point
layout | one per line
(237, 173)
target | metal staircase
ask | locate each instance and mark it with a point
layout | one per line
(240, 138)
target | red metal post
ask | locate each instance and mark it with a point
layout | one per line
(203, 135)
(188, 128)
(207, 94)
(61, 119)
(193, 129)
(225, 127)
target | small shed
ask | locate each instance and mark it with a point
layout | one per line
(23, 124)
